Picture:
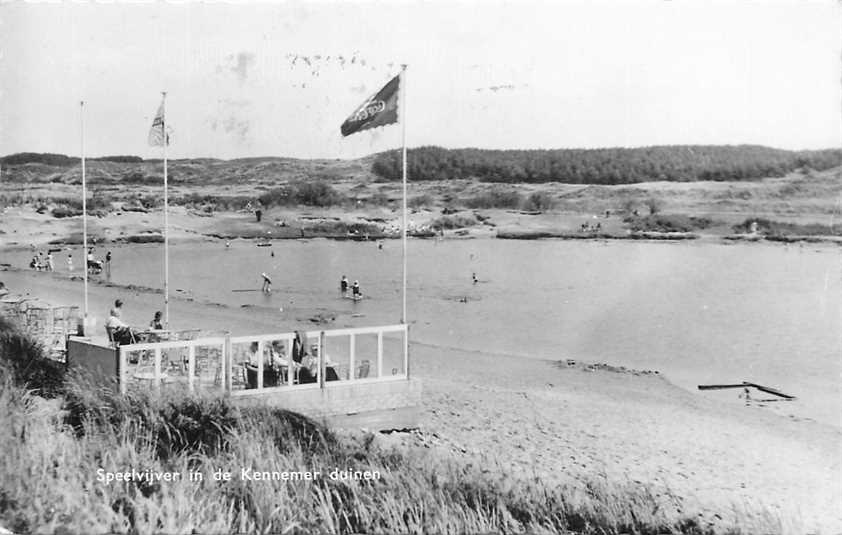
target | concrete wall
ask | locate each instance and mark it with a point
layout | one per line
(372, 405)
(100, 361)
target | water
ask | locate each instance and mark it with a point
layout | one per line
(699, 312)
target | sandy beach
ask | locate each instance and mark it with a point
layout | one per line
(576, 423)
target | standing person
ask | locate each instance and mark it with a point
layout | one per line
(355, 290)
(267, 283)
(108, 263)
(69, 262)
(50, 266)
(343, 286)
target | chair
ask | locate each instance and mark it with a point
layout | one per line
(109, 331)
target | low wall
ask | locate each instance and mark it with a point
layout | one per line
(101, 362)
(377, 405)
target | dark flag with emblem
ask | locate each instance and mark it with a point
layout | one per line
(380, 109)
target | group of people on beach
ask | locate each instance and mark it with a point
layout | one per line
(356, 292)
(42, 262)
(45, 262)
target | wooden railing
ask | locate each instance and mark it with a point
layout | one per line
(238, 365)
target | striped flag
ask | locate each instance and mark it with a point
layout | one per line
(157, 132)
(380, 109)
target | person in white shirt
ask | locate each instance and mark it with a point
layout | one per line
(121, 332)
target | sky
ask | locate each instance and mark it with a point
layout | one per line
(278, 79)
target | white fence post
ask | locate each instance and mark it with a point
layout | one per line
(123, 363)
(157, 385)
(379, 354)
(352, 372)
(259, 364)
(322, 367)
(191, 366)
(228, 364)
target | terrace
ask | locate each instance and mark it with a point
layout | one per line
(347, 377)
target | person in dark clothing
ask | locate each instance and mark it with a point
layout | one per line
(156, 324)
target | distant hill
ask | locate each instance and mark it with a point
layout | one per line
(572, 166)
(604, 166)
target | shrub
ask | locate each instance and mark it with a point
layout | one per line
(496, 198)
(452, 222)
(779, 228)
(317, 193)
(653, 204)
(667, 223)
(540, 201)
(420, 201)
(24, 358)
(65, 211)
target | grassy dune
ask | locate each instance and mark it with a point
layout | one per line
(58, 434)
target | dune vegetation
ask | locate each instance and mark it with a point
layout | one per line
(62, 435)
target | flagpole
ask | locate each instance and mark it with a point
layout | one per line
(403, 124)
(166, 217)
(84, 259)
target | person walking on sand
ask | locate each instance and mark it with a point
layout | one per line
(50, 266)
(70, 262)
(267, 283)
(108, 263)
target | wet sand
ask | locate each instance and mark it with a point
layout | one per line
(570, 424)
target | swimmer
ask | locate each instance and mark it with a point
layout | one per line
(267, 283)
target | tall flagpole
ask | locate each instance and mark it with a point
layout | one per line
(166, 216)
(403, 124)
(84, 259)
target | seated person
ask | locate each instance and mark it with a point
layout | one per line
(155, 324)
(311, 364)
(273, 360)
(121, 333)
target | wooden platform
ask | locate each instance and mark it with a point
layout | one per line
(373, 405)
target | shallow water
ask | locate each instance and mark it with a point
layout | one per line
(699, 312)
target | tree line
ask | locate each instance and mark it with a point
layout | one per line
(604, 166)
(61, 160)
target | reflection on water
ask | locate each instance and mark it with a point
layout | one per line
(698, 312)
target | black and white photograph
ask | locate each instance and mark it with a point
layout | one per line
(423, 267)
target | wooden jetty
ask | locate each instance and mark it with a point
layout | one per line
(745, 384)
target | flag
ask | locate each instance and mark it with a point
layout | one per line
(379, 109)
(156, 133)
